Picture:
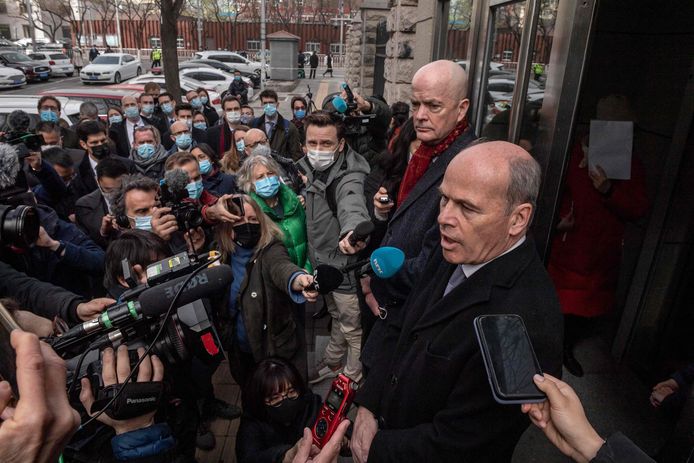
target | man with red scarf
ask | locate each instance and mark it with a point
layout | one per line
(439, 110)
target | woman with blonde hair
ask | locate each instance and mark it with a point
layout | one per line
(258, 312)
(259, 176)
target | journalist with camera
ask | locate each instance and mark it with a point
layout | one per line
(366, 121)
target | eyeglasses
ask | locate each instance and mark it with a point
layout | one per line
(277, 399)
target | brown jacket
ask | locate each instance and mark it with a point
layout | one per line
(266, 306)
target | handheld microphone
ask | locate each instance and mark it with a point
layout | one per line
(384, 262)
(326, 279)
(361, 232)
(155, 301)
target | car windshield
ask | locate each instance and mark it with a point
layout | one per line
(58, 56)
(16, 57)
(106, 60)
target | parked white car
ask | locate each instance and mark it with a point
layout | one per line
(112, 68)
(233, 59)
(70, 109)
(186, 84)
(11, 77)
(57, 61)
(220, 79)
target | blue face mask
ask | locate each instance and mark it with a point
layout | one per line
(200, 125)
(184, 140)
(167, 108)
(48, 116)
(148, 108)
(115, 119)
(267, 187)
(194, 189)
(145, 151)
(204, 100)
(237, 78)
(196, 103)
(205, 166)
(143, 223)
(240, 145)
(270, 109)
(131, 112)
(300, 113)
(246, 119)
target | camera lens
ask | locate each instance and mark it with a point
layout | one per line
(19, 226)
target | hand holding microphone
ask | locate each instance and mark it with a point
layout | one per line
(355, 240)
(304, 283)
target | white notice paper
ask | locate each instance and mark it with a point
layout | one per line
(610, 146)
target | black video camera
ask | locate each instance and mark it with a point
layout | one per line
(188, 332)
(187, 213)
(347, 113)
(24, 142)
(19, 219)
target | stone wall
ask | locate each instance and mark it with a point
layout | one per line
(361, 46)
(410, 28)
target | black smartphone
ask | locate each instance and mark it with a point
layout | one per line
(235, 204)
(509, 358)
(8, 367)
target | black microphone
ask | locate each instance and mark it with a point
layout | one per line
(326, 279)
(361, 232)
(155, 301)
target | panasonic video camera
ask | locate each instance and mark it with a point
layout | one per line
(140, 321)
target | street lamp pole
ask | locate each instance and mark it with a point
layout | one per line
(32, 29)
(262, 44)
(120, 42)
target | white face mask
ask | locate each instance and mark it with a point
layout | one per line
(233, 116)
(321, 160)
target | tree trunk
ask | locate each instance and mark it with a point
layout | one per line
(170, 11)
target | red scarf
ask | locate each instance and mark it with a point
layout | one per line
(421, 159)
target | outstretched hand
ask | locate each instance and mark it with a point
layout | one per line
(562, 419)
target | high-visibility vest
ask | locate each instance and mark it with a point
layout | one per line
(156, 55)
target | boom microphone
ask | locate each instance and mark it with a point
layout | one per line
(384, 262)
(361, 232)
(155, 301)
(211, 281)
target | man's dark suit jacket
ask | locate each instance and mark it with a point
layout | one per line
(414, 230)
(428, 386)
(285, 142)
(89, 210)
(118, 133)
(218, 140)
(85, 180)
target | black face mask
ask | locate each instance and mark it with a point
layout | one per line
(101, 151)
(286, 412)
(247, 235)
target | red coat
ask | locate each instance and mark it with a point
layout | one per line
(584, 261)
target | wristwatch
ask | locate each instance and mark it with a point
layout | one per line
(61, 248)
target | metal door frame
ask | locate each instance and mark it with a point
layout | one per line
(574, 30)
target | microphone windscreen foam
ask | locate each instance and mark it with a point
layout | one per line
(387, 261)
(9, 165)
(176, 179)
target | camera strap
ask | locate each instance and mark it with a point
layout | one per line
(136, 399)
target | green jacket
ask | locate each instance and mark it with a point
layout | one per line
(293, 225)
